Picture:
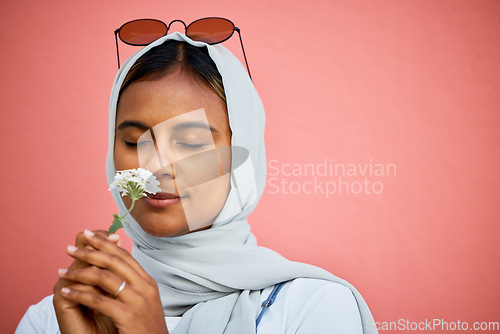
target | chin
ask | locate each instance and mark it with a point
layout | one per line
(168, 222)
(170, 227)
(164, 227)
(172, 221)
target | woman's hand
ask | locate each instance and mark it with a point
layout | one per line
(73, 317)
(137, 307)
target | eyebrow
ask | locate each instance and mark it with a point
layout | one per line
(135, 124)
(194, 124)
(178, 127)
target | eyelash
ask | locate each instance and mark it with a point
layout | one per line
(130, 144)
(189, 146)
(183, 145)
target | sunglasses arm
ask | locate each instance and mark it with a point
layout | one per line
(117, 53)
(243, 49)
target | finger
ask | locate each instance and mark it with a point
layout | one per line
(100, 243)
(112, 237)
(93, 299)
(78, 264)
(111, 262)
(81, 241)
(94, 276)
(58, 296)
(82, 287)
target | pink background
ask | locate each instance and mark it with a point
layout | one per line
(411, 83)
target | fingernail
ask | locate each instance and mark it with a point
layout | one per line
(114, 237)
(62, 271)
(72, 248)
(65, 290)
(89, 233)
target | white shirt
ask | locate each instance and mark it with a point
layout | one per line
(302, 306)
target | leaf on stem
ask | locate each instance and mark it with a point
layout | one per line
(116, 225)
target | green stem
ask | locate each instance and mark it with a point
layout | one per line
(131, 207)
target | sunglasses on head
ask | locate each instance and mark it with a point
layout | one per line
(211, 30)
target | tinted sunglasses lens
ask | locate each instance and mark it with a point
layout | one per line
(142, 32)
(210, 30)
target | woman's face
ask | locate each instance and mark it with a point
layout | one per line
(174, 126)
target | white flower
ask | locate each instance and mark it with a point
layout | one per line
(152, 185)
(134, 182)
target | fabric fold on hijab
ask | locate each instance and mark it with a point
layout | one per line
(213, 277)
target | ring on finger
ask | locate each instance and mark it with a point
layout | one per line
(120, 289)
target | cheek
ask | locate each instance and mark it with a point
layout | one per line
(205, 201)
(125, 157)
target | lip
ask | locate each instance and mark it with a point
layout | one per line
(162, 195)
(161, 200)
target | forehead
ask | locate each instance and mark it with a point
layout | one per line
(154, 101)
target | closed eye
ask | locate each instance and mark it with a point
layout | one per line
(132, 144)
(189, 146)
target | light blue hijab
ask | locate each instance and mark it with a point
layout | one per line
(213, 277)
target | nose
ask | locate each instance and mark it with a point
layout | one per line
(152, 155)
(155, 157)
(159, 165)
(163, 172)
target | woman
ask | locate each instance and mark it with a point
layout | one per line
(196, 268)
